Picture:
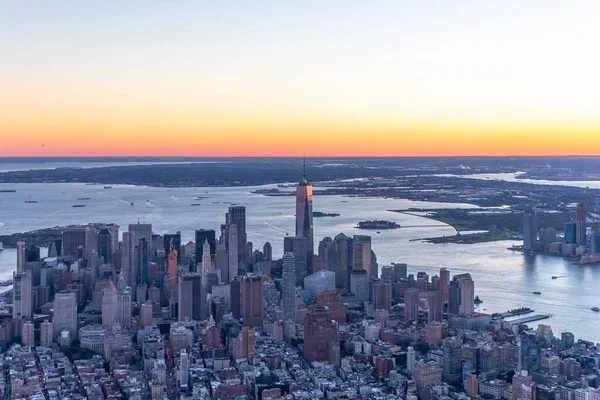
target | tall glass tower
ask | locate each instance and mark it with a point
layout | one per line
(304, 216)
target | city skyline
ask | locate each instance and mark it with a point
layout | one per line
(239, 79)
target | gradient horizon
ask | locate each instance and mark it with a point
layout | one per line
(382, 78)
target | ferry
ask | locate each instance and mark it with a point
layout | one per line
(107, 187)
(195, 204)
(537, 292)
(6, 283)
(555, 277)
(83, 198)
(8, 191)
(78, 205)
(131, 203)
(596, 309)
(31, 201)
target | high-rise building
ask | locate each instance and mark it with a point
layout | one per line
(319, 282)
(570, 233)
(529, 229)
(462, 295)
(411, 305)
(267, 252)
(105, 242)
(46, 334)
(595, 242)
(202, 236)
(338, 260)
(109, 305)
(581, 225)
(319, 331)
(362, 255)
(288, 287)
(359, 284)
(452, 367)
(251, 300)
(172, 241)
(444, 284)
(434, 304)
(382, 296)
(297, 246)
(65, 314)
(190, 297)
(222, 261)
(124, 307)
(471, 385)
(184, 369)
(304, 216)
(333, 301)
(237, 217)
(427, 374)
(28, 334)
(234, 266)
(73, 237)
(22, 295)
(127, 258)
(410, 359)
(21, 255)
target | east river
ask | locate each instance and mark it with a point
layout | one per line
(503, 279)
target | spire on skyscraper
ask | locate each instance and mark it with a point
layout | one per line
(304, 181)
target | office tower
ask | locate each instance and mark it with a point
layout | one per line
(444, 284)
(124, 307)
(105, 249)
(46, 334)
(382, 296)
(20, 256)
(580, 225)
(109, 305)
(206, 260)
(288, 287)
(530, 351)
(338, 259)
(114, 234)
(529, 229)
(142, 259)
(184, 369)
(411, 305)
(333, 301)
(235, 292)
(249, 250)
(452, 367)
(304, 215)
(27, 334)
(427, 374)
(22, 295)
(267, 252)
(319, 282)
(435, 304)
(570, 233)
(359, 284)
(251, 301)
(234, 265)
(595, 242)
(471, 385)
(237, 217)
(65, 314)
(222, 261)
(127, 257)
(297, 246)
(172, 241)
(362, 255)
(190, 297)
(73, 237)
(141, 231)
(319, 331)
(462, 295)
(422, 281)
(410, 359)
(146, 314)
(201, 236)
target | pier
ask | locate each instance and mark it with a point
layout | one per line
(530, 318)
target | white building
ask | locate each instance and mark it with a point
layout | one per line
(65, 315)
(109, 304)
(22, 295)
(92, 337)
(28, 334)
(319, 282)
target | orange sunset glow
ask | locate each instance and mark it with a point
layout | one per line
(264, 79)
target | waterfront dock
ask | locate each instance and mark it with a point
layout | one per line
(530, 318)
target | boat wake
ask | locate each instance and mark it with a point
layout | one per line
(276, 227)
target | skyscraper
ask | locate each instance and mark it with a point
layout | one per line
(304, 216)
(105, 241)
(65, 315)
(109, 305)
(201, 236)
(222, 261)
(382, 296)
(362, 254)
(22, 295)
(184, 369)
(20, 255)
(581, 226)
(172, 241)
(444, 286)
(237, 217)
(267, 252)
(338, 259)
(288, 287)
(434, 303)
(319, 331)
(190, 297)
(234, 266)
(452, 367)
(462, 295)
(297, 246)
(73, 237)
(251, 300)
(46, 334)
(529, 229)
(411, 305)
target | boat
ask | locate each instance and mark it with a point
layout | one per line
(131, 203)
(83, 198)
(378, 232)
(78, 205)
(478, 300)
(537, 292)
(595, 309)
(6, 283)
(31, 201)
(8, 191)
(107, 187)
(196, 204)
(555, 277)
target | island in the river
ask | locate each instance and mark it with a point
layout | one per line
(377, 225)
(324, 214)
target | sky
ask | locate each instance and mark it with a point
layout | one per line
(286, 78)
